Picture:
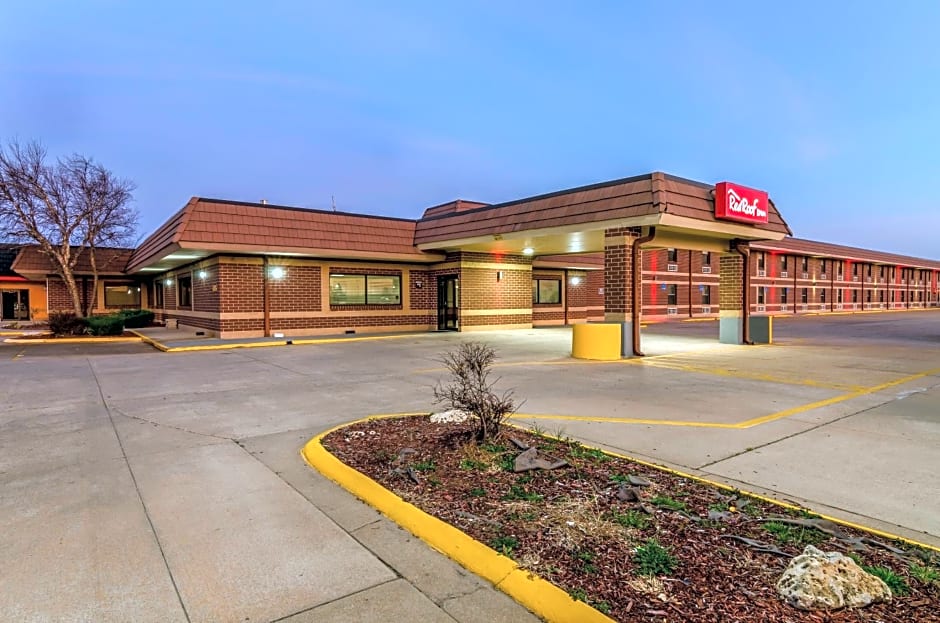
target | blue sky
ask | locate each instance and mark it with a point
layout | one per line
(392, 109)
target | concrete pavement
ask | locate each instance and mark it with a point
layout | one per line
(137, 485)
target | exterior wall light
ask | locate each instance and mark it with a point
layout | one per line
(168, 282)
(576, 281)
(528, 251)
(277, 272)
(203, 274)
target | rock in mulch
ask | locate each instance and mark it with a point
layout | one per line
(817, 580)
(452, 416)
(530, 459)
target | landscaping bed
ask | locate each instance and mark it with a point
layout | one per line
(635, 542)
(52, 336)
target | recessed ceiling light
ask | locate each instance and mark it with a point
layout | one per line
(528, 251)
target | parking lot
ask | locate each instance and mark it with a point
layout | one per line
(139, 485)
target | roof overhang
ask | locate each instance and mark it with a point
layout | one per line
(181, 254)
(671, 231)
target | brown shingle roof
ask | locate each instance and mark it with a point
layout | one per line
(643, 195)
(825, 249)
(31, 260)
(219, 225)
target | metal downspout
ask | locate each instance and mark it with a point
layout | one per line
(636, 289)
(745, 252)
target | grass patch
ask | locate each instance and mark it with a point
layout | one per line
(505, 545)
(424, 466)
(631, 519)
(471, 465)
(924, 574)
(653, 559)
(477, 492)
(576, 450)
(664, 501)
(519, 493)
(800, 535)
(895, 582)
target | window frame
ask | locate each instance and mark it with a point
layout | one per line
(537, 291)
(366, 299)
(159, 294)
(706, 295)
(804, 296)
(135, 288)
(180, 289)
(672, 256)
(672, 295)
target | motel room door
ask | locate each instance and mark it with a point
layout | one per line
(448, 300)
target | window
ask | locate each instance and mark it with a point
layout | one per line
(824, 262)
(706, 295)
(881, 296)
(855, 270)
(839, 266)
(185, 291)
(804, 296)
(868, 296)
(760, 261)
(804, 263)
(902, 296)
(761, 295)
(158, 294)
(783, 263)
(672, 256)
(869, 270)
(126, 295)
(671, 295)
(783, 295)
(706, 258)
(545, 291)
(822, 296)
(365, 289)
(855, 296)
(839, 295)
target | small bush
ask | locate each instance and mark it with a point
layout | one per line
(105, 325)
(925, 574)
(470, 388)
(66, 323)
(654, 559)
(136, 318)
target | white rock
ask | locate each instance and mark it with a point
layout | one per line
(452, 416)
(817, 580)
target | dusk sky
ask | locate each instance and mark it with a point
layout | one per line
(834, 108)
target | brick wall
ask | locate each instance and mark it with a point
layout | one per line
(618, 270)
(731, 278)
(504, 284)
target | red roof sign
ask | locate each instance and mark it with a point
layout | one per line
(740, 203)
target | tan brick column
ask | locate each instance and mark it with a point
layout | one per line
(731, 299)
(618, 278)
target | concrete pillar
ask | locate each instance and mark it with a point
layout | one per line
(618, 277)
(731, 299)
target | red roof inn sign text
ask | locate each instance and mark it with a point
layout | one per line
(740, 203)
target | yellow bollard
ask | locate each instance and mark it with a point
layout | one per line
(596, 341)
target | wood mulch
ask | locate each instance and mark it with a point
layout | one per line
(49, 336)
(569, 526)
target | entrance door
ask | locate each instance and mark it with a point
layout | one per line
(15, 305)
(448, 297)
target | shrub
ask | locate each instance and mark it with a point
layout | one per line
(105, 325)
(471, 390)
(136, 318)
(66, 323)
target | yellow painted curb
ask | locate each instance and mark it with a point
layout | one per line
(285, 341)
(541, 597)
(73, 340)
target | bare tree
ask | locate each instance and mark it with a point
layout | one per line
(65, 208)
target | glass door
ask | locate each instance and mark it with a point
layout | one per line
(448, 297)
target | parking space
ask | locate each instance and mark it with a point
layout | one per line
(189, 460)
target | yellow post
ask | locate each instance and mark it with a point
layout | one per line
(596, 341)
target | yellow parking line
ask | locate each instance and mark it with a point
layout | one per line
(620, 420)
(753, 376)
(836, 399)
(739, 425)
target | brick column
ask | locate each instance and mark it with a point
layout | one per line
(618, 278)
(731, 299)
